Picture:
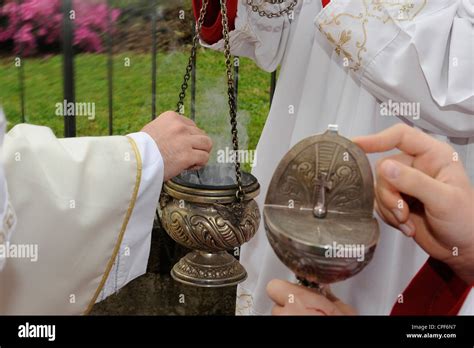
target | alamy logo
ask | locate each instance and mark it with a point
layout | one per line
(346, 251)
(404, 109)
(76, 109)
(19, 251)
(37, 331)
(227, 155)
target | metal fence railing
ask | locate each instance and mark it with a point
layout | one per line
(68, 68)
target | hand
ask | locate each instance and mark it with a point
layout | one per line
(424, 192)
(182, 144)
(292, 299)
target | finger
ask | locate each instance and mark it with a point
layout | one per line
(278, 310)
(408, 228)
(287, 295)
(407, 139)
(279, 291)
(199, 158)
(395, 211)
(316, 303)
(385, 213)
(201, 142)
(411, 141)
(413, 182)
(388, 196)
(330, 295)
(345, 308)
(391, 200)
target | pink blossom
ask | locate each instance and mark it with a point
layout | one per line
(39, 22)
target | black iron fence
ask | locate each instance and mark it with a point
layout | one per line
(68, 67)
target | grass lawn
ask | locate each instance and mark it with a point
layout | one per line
(132, 93)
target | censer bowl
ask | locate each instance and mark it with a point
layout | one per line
(199, 210)
(321, 253)
(318, 212)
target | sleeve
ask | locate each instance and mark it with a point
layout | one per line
(468, 305)
(211, 30)
(262, 39)
(418, 52)
(435, 290)
(74, 199)
(132, 259)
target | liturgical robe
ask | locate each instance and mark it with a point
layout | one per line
(81, 210)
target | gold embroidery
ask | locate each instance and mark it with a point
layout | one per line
(124, 225)
(343, 39)
(9, 220)
(373, 9)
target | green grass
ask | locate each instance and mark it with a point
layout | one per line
(132, 93)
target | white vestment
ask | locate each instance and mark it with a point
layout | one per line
(337, 66)
(82, 211)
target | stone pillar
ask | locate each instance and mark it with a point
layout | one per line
(156, 293)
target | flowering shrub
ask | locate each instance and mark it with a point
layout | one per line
(35, 23)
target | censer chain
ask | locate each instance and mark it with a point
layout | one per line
(263, 13)
(189, 66)
(232, 102)
(230, 87)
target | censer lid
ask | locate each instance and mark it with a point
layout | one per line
(213, 183)
(321, 194)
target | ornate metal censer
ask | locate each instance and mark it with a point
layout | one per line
(318, 211)
(211, 210)
(200, 213)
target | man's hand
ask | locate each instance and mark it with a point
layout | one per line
(424, 192)
(182, 144)
(291, 299)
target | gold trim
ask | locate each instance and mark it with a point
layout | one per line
(370, 10)
(124, 225)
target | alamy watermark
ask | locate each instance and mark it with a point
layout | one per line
(227, 155)
(76, 109)
(403, 109)
(346, 251)
(19, 251)
(28, 330)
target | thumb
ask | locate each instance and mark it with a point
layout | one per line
(413, 182)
